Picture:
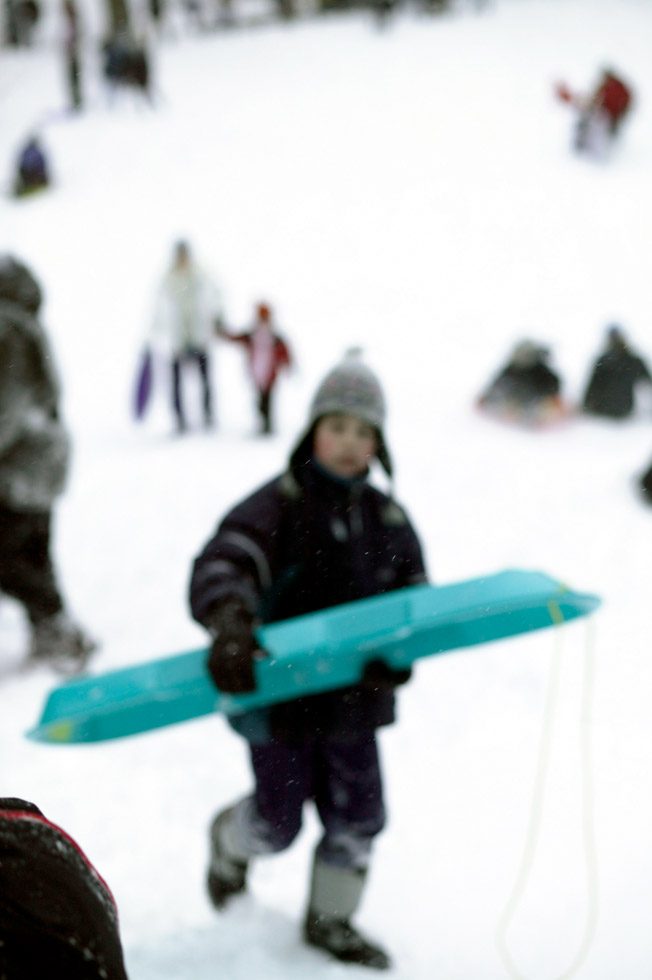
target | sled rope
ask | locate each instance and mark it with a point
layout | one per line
(537, 805)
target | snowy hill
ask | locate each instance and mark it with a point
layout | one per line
(411, 190)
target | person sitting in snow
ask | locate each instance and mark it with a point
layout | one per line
(187, 306)
(34, 449)
(615, 375)
(32, 170)
(267, 354)
(57, 915)
(316, 536)
(526, 389)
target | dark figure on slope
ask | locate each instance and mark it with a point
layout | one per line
(267, 355)
(126, 64)
(615, 375)
(34, 453)
(72, 52)
(526, 390)
(317, 536)
(57, 916)
(32, 169)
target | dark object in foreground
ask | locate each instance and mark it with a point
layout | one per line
(58, 917)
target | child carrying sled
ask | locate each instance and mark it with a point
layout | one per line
(316, 536)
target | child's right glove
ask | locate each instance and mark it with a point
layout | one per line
(234, 647)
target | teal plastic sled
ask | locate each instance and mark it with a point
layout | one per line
(312, 653)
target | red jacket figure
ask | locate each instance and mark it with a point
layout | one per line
(267, 354)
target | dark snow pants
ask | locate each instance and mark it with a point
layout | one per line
(200, 357)
(341, 776)
(26, 571)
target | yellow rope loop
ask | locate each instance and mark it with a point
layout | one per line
(537, 805)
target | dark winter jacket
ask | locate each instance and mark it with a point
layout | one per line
(57, 916)
(33, 442)
(610, 390)
(303, 542)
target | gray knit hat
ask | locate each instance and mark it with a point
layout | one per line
(350, 388)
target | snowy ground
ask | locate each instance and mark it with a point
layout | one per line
(411, 190)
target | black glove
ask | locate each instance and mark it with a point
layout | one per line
(377, 676)
(234, 647)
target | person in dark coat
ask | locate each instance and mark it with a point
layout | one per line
(57, 915)
(317, 536)
(34, 452)
(525, 385)
(32, 168)
(614, 378)
(267, 355)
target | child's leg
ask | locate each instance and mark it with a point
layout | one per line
(265, 822)
(350, 803)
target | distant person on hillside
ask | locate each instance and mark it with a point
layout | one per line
(34, 449)
(188, 304)
(526, 389)
(316, 536)
(32, 168)
(126, 64)
(72, 52)
(57, 915)
(614, 378)
(267, 354)
(601, 114)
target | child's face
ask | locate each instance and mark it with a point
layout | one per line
(344, 444)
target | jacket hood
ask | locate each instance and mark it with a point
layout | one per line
(18, 285)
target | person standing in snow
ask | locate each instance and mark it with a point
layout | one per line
(187, 306)
(615, 375)
(34, 450)
(72, 55)
(603, 113)
(57, 915)
(317, 536)
(267, 354)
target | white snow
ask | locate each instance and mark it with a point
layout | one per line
(411, 190)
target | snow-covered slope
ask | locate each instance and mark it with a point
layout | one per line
(410, 190)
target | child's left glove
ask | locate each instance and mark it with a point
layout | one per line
(234, 647)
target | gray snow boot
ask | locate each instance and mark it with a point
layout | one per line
(334, 897)
(227, 872)
(60, 643)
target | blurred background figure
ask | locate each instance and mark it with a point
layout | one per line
(615, 375)
(57, 915)
(34, 454)
(72, 52)
(601, 114)
(21, 18)
(188, 305)
(126, 64)
(526, 389)
(32, 168)
(267, 354)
